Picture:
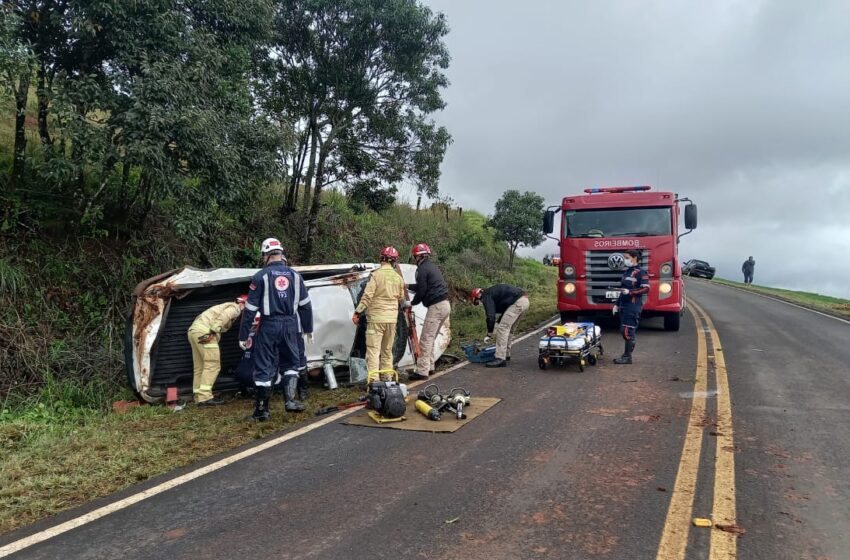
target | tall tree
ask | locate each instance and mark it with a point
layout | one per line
(517, 220)
(16, 63)
(361, 78)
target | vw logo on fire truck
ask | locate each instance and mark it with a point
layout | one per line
(616, 261)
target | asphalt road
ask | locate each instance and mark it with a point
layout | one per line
(568, 465)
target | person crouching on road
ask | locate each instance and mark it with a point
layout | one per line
(511, 303)
(431, 291)
(281, 297)
(204, 336)
(381, 299)
(633, 286)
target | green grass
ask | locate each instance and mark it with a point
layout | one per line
(827, 304)
(57, 459)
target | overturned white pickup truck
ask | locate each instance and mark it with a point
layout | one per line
(157, 353)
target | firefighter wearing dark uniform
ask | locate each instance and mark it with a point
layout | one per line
(280, 296)
(634, 285)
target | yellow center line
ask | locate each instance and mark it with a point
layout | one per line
(723, 544)
(674, 537)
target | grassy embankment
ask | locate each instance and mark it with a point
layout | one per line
(827, 304)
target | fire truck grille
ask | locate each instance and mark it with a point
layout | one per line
(601, 277)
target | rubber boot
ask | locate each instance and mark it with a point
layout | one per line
(626, 358)
(290, 388)
(303, 393)
(261, 405)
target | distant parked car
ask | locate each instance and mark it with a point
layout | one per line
(699, 269)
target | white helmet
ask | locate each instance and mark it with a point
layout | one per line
(271, 245)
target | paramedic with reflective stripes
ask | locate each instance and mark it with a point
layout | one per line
(204, 336)
(281, 297)
(634, 286)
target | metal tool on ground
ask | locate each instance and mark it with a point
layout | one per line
(385, 396)
(341, 406)
(328, 368)
(427, 410)
(453, 401)
(412, 336)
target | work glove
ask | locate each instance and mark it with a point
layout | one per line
(243, 344)
(308, 338)
(614, 310)
(355, 318)
(624, 291)
(488, 338)
(207, 338)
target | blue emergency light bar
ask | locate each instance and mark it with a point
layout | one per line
(641, 188)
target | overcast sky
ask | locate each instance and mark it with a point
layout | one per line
(744, 106)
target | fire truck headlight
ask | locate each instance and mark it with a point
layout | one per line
(665, 287)
(666, 269)
(569, 288)
(569, 270)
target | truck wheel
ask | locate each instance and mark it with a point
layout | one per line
(672, 321)
(569, 317)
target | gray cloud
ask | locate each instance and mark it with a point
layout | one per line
(740, 105)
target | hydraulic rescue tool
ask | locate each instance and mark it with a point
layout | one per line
(434, 401)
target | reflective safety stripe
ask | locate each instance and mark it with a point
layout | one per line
(266, 302)
(263, 383)
(213, 345)
(204, 388)
(297, 301)
(289, 372)
(250, 307)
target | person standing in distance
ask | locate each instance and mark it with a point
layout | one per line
(748, 268)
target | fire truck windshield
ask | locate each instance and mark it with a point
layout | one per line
(619, 222)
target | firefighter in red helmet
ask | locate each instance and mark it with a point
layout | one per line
(432, 292)
(383, 295)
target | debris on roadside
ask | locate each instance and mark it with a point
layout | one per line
(702, 522)
(123, 407)
(452, 520)
(731, 528)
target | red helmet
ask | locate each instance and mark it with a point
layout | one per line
(421, 249)
(476, 294)
(389, 253)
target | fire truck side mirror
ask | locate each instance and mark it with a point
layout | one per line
(549, 221)
(691, 216)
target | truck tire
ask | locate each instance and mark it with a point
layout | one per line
(672, 322)
(569, 317)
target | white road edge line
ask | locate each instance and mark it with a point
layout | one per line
(103, 511)
(779, 300)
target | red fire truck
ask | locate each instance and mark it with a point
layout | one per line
(595, 230)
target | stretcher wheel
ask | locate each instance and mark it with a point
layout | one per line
(591, 360)
(581, 363)
(541, 363)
